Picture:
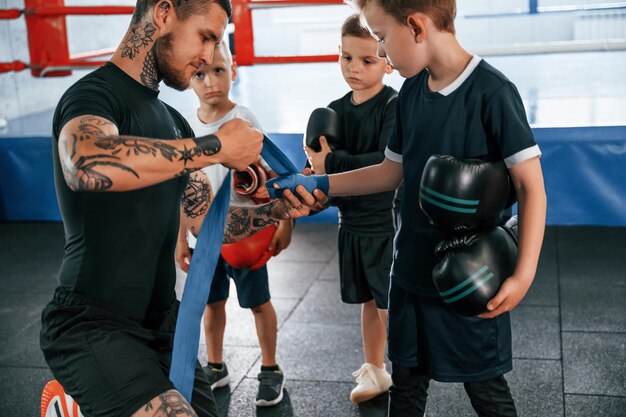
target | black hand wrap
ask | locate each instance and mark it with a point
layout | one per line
(208, 145)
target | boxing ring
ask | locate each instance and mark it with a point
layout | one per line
(570, 343)
(582, 161)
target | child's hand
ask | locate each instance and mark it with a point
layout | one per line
(260, 194)
(282, 237)
(317, 160)
(183, 256)
(509, 295)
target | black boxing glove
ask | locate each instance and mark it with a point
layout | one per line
(325, 122)
(247, 182)
(463, 194)
(474, 266)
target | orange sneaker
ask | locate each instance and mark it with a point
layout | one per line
(56, 403)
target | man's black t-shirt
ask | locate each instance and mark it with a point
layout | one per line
(366, 129)
(479, 115)
(119, 246)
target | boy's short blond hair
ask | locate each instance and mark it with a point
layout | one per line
(442, 12)
(224, 49)
(352, 27)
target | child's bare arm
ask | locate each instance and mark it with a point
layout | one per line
(386, 176)
(183, 254)
(528, 180)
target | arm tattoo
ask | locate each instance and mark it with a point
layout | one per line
(85, 174)
(138, 37)
(243, 222)
(208, 145)
(173, 404)
(82, 173)
(137, 146)
(197, 197)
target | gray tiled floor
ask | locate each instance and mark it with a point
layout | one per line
(569, 332)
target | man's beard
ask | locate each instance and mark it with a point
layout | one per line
(164, 56)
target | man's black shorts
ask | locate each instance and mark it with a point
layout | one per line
(110, 364)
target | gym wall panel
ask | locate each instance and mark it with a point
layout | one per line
(584, 170)
(26, 180)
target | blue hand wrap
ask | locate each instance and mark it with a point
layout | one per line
(291, 181)
(197, 288)
(201, 270)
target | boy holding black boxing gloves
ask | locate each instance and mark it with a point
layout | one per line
(452, 103)
(366, 229)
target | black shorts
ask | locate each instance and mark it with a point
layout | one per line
(253, 287)
(364, 266)
(424, 332)
(110, 364)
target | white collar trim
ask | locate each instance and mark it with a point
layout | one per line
(461, 78)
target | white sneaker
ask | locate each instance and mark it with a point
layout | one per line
(371, 382)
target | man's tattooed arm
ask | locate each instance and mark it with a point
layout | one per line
(168, 404)
(241, 221)
(94, 157)
(197, 199)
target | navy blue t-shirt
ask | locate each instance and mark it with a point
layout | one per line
(119, 246)
(479, 115)
(366, 129)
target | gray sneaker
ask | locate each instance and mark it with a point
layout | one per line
(217, 377)
(271, 385)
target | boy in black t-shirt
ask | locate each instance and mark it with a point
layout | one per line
(456, 104)
(366, 227)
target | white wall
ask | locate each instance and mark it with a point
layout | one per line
(22, 94)
(281, 31)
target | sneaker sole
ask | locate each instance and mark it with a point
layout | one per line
(56, 403)
(221, 382)
(264, 403)
(365, 396)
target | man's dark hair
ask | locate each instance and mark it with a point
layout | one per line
(352, 27)
(182, 8)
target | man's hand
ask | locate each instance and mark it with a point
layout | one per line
(282, 237)
(241, 144)
(300, 207)
(283, 209)
(317, 160)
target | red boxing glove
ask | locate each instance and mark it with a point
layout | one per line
(252, 252)
(247, 183)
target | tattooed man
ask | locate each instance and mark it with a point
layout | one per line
(121, 163)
